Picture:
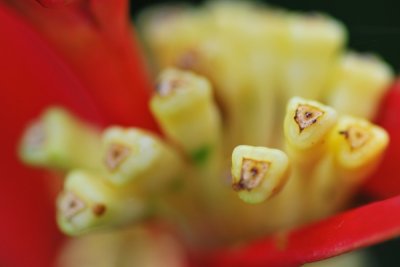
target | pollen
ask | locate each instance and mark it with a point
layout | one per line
(356, 136)
(306, 116)
(253, 172)
(115, 155)
(71, 205)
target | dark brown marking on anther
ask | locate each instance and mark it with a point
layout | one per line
(252, 174)
(345, 134)
(238, 186)
(306, 116)
(115, 155)
(99, 209)
(356, 136)
(168, 86)
(71, 205)
(254, 171)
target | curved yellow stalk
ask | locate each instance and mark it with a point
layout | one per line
(258, 173)
(359, 84)
(88, 202)
(58, 140)
(315, 42)
(185, 109)
(136, 158)
(307, 126)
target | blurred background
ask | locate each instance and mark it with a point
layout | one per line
(374, 26)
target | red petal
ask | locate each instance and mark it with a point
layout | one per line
(31, 78)
(386, 182)
(95, 40)
(345, 232)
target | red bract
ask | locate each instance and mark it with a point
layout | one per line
(32, 77)
(342, 233)
(94, 38)
(54, 3)
(82, 56)
(386, 182)
(35, 76)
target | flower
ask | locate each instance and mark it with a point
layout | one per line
(343, 232)
(43, 67)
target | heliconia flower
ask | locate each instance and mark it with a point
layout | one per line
(81, 55)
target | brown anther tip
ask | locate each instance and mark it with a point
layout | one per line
(115, 155)
(188, 60)
(356, 136)
(167, 87)
(71, 205)
(99, 209)
(35, 136)
(253, 171)
(239, 186)
(306, 116)
(344, 133)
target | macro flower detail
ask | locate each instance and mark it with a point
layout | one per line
(258, 128)
(260, 171)
(251, 174)
(306, 116)
(71, 205)
(115, 155)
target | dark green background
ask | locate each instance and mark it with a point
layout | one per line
(374, 26)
